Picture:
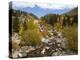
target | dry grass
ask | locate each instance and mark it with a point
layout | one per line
(71, 33)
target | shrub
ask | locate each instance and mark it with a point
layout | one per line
(70, 32)
(21, 30)
(31, 25)
(27, 25)
(31, 37)
(57, 26)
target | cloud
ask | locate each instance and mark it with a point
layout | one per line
(47, 5)
(21, 4)
(51, 6)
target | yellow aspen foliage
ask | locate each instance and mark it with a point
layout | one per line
(57, 26)
(21, 29)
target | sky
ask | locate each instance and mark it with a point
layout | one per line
(40, 9)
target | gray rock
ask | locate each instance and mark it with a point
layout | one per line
(64, 43)
(15, 54)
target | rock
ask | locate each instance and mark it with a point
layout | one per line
(59, 34)
(50, 43)
(55, 33)
(58, 40)
(43, 51)
(47, 47)
(45, 40)
(64, 43)
(60, 49)
(57, 53)
(16, 38)
(24, 51)
(59, 45)
(27, 48)
(20, 55)
(15, 54)
(35, 53)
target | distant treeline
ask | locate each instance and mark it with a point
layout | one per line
(18, 13)
(68, 18)
(62, 19)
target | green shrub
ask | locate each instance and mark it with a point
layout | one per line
(57, 26)
(31, 37)
(70, 32)
(27, 25)
(31, 25)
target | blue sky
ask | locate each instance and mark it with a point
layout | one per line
(41, 9)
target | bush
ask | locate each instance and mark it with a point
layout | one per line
(27, 25)
(57, 26)
(31, 37)
(31, 25)
(70, 32)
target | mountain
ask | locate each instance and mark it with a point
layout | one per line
(39, 12)
(73, 12)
